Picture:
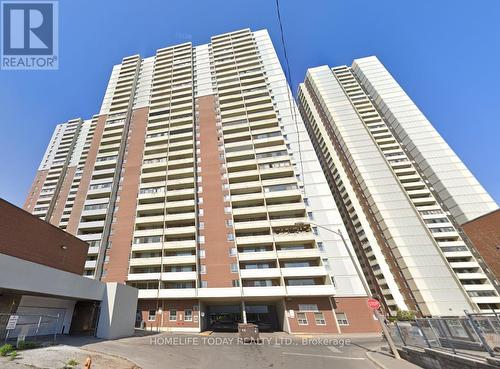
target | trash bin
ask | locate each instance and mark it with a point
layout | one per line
(248, 332)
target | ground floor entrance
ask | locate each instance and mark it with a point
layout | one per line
(309, 314)
(223, 318)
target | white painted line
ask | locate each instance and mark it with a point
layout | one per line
(325, 356)
(334, 349)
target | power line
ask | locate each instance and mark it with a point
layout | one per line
(288, 77)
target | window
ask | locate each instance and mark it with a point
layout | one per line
(230, 237)
(236, 282)
(152, 315)
(201, 239)
(342, 319)
(308, 307)
(301, 319)
(310, 215)
(232, 251)
(201, 225)
(188, 315)
(319, 319)
(229, 223)
(227, 209)
(315, 230)
(202, 253)
(172, 316)
(321, 247)
(204, 284)
(234, 268)
(203, 269)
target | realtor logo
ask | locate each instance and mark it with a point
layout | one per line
(29, 35)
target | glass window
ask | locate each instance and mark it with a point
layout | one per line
(188, 315)
(172, 316)
(152, 315)
(308, 307)
(301, 318)
(319, 319)
(342, 318)
(234, 268)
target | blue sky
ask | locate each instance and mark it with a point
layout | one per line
(445, 54)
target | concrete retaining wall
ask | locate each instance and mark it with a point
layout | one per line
(435, 359)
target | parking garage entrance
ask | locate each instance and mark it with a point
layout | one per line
(225, 318)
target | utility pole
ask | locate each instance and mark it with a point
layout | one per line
(365, 286)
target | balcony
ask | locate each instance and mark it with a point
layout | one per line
(143, 277)
(90, 264)
(145, 261)
(173, 245)
(314, 271)
(260, 273)
(252, 240)
(147, 246)
(178, 276)
(274, 291)
(184, 259)
(260, 255)
(219, 292)
(314, 290)
(177, 293)
(97, 224)
(294, 237)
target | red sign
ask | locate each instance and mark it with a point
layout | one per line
(373, 304)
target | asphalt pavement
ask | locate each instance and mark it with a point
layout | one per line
(227, 351)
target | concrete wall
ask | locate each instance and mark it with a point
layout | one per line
(118, 311)
(24, 236)
(49, 306)
(25, 276)
(435, 359)
(118, 301)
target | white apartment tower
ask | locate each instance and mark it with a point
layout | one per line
(401, 191)
(197, 183)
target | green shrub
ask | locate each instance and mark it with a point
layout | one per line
(26, 345)
(72, 362)
(405, 315)
(6, 349)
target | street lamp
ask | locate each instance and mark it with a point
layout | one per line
(363, 281)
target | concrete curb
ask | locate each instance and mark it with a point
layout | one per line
(375, 361)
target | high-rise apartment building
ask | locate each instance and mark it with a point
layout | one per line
(401, 191)
(198, 184)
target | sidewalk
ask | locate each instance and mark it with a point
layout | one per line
(385, 360)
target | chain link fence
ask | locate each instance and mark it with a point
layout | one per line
(474, 334)
(29, 327)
